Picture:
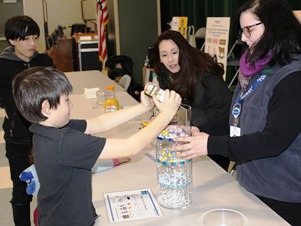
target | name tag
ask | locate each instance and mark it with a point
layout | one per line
(234, 131)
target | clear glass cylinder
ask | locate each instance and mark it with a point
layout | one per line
(174, 175)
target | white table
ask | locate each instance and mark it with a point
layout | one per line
(90, 79)
(212, 187)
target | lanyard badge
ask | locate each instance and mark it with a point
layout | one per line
(236, 110)
(235, 130)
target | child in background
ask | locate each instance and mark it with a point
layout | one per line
(65, 150)
(22, 34)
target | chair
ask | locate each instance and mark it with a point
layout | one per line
(121, 61)
(125, 81)
(233, 51)
(78, 28)
(201, 34)
(49, 42)
(232, 169)
(54, 37)
(60, 30)
(233, 58)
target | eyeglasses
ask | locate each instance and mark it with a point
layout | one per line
(246, 30)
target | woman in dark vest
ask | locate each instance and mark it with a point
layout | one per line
(265, 120)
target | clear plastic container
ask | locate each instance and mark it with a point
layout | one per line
(174, 174)
(223, 217)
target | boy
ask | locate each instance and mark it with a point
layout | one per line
(21, 33)
(63, 149)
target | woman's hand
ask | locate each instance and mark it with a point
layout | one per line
(193, 146)
(195, 130)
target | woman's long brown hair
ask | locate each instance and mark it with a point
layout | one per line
(193, 62)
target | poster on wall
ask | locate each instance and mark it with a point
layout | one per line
(217, 39)
(179, 24)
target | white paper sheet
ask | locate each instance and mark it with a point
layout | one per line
(131, 205)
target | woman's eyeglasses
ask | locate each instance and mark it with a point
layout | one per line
(246, 30)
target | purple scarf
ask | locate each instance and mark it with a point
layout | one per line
(247, 71)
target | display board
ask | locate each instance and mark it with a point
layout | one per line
(179, 24)
(217, 39)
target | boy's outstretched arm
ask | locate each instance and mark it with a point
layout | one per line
(110, 120)
(115, 148)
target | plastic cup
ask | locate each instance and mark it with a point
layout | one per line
(100, 97)
(223, 217)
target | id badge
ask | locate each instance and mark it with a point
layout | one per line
(234, 131)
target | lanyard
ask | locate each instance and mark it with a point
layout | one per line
(237, 106)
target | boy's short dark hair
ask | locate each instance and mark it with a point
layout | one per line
(36, 84)
(18, 27)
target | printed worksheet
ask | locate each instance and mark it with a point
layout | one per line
(131, 205)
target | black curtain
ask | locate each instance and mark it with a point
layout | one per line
(198, 10)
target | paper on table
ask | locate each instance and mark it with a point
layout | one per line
(131, 205)
(90, 92)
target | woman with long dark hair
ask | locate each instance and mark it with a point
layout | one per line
(197, 77)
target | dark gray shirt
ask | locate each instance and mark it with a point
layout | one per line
(64, 158)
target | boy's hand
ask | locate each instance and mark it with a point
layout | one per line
(171, 103)
(146, 101)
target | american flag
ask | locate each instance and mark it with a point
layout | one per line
(102, 20)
